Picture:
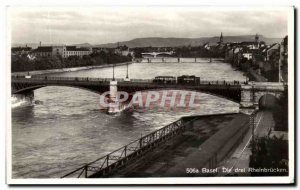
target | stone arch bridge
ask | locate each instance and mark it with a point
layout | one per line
(247, 95)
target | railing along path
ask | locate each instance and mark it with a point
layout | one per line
(124, 155)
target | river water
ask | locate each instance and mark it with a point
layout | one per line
(65, 127)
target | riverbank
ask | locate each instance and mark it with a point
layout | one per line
(255, 76)
(191, 150)
(71, 69)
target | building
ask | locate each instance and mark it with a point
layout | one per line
(20, 50)
(234, 55)
(63, 51)
(75, 51)
(221, 40)
(206, 46)
(100, 49)
(249, 53)
(237, 56)
(42, 51)
(268, 61)
(229, 55)
(57, 50)
(123, 50)
(284, 59)
(221, 44)
(256, 44)
(273, 52)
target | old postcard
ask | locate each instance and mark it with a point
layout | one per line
(150, 95)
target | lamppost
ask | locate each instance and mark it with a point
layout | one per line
(127, 71)
(252, 129)
(279, 71)
(113, 71)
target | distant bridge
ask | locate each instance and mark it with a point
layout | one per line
(154, 54)
(175, 60)
(248, 95)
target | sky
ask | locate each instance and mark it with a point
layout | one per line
(99, 25)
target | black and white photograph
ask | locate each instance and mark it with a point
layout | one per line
(150, 95)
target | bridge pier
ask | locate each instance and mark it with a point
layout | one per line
(24, 98)
(113, 106)
(252, 93)
(247, 104)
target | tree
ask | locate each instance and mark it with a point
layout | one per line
(280, 113)
(22, 63)
(269, 153)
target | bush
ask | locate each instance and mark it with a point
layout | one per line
(269, 153)
(280, 113)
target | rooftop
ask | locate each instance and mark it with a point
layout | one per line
(20, 49)
(74, 48)
(43, 49)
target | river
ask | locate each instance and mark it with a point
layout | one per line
(65, 127)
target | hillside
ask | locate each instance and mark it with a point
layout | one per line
(167, 42)
(173, 42)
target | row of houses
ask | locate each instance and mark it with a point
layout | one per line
(20, 50)
(267, 60)
(119, 50)
(51, 51)
(63, 51)
(67, 51)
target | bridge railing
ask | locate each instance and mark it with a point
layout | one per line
(124, 155)
(148, 81)
(54, 78)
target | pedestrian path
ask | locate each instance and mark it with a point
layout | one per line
(238, 162)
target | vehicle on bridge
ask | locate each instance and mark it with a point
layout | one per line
(184, 79)
(165, 80)
(188, 79)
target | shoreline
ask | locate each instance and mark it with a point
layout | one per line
(71, 69)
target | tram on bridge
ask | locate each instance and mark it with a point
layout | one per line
(165, 80)
(184, 79)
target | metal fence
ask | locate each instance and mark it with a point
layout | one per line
(124, 155)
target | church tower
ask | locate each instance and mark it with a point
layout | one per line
(221, 38)
(257, 44)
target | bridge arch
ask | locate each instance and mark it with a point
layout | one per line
(30, 88)
(259, 95)
(148, 55)
(159, 55)
(219, 95)
(267, 101)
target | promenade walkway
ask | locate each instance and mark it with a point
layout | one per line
(178, 154)
(238, 162)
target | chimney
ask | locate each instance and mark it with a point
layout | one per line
(40, 44)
